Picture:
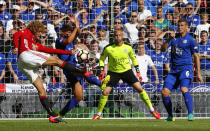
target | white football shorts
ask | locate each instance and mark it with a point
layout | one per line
(29, 62)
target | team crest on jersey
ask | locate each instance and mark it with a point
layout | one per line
(125, 50)
(185, 41)
(61, 39)
(187, 73)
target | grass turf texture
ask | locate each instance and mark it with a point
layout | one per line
(106, 125)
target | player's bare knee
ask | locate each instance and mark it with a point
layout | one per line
(165, 92)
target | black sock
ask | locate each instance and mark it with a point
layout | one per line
(72, 68)
(47, 106)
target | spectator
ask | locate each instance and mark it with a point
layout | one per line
(143, 13)
(159, 60)
(152, 36)
(166, 7)
(84, 18)
(204, 52)
(4, 14)
(160, 22)
(193, 20)
(145, 61)
(21, 4)
(180, 8)
(117, 13)
(17, 75)
(15, 16)
(29, 14)
(102, 40)
(203, 26)
(2, 67)
(65, 6)
(174, 23)
(130, 28)
(92, 90)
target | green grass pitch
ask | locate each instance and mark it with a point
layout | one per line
(106, 125)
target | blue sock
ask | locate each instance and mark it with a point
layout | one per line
(93, 80)
(71, 104)
(168, 105)
(188, 102)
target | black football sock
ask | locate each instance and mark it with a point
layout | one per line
(46, 105)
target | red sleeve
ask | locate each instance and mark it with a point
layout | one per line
(51, 50)
(16, 37)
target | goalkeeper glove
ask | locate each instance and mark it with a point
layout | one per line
(138, 73)
(102, 74)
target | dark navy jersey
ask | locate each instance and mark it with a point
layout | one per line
(68, 47)
(182, 49)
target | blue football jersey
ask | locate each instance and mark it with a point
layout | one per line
(182, 49)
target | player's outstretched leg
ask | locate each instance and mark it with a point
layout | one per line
(70, 104)
(144, 96)
(54, 118)
(101, 104)
(189, 104)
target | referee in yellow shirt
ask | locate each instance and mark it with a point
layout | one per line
(119, 67)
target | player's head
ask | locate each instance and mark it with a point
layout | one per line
(118, 35)
(37, 28)
(141, 49)
(66, 30)
(182, 26)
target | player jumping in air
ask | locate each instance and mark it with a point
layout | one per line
(65, 42)
(119, 54)
(31, 57)
(183, 46)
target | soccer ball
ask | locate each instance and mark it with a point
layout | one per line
(83, 56)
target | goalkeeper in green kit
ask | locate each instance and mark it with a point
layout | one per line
(119, 54)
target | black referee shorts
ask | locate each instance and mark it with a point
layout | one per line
(127, 77)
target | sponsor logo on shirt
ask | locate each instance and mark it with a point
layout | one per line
(185, 41)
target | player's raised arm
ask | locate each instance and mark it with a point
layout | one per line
(101, 63)
(165, 44)
(51, 50)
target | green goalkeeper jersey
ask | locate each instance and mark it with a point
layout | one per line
(118, 57)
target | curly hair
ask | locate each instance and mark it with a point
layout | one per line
(36, 26)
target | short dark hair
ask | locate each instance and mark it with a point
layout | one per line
(182, 20)
(66, 27)
(204, 31)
